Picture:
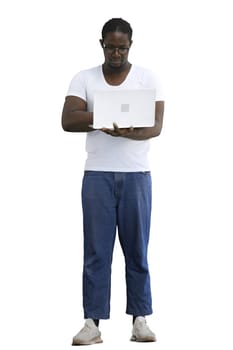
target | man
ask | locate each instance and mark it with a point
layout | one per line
(116, 189)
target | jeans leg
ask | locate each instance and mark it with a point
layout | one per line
(99, 221)
(134, 213)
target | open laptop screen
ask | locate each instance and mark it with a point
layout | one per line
(126, 108)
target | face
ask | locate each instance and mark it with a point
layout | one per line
(116, 49)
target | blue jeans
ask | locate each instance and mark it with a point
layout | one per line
(113, 200)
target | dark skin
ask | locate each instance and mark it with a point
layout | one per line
(116, 67)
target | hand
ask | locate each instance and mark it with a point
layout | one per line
(118, 131)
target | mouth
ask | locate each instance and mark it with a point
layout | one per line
(115, 62)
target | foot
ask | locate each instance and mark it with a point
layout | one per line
(88, 335)
(141, 332)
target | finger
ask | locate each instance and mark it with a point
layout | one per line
(115, 127)
(106, 130)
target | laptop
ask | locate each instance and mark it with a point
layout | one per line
(126, 108)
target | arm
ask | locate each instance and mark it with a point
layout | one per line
(141, 133)
(75, 117)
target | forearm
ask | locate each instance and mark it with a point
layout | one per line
(138, 134)
(78, 121)
(141, 134)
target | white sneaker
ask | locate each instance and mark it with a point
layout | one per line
(88, 335)
(141, 332)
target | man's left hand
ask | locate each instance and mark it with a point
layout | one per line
(116, 131)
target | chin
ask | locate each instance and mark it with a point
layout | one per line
(116, 64)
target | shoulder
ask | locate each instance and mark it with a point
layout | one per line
(82, 82)
(148, 78)
(144, 73)
(87, 73)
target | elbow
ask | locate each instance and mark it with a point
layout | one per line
(156, 132)
(65, 125)
(66, 121)
(157, 128)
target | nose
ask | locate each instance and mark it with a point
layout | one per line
(116, 52)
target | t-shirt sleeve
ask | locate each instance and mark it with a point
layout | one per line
(77, 86)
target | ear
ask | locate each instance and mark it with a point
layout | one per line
(131, 42)
(101, 42)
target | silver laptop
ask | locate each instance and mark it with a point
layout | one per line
(126, 108)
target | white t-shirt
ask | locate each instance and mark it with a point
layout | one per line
(105, 152)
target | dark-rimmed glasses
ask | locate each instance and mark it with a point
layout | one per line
(110, 49)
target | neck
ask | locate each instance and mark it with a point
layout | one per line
(116, 76)
(116, 70)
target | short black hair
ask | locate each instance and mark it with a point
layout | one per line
(117, 25)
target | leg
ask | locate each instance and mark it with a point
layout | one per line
(99, 217)
(133, 220)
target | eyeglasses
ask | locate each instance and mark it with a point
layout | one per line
(110, 49)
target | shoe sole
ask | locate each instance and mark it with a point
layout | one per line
(90, 342)
(143, 340)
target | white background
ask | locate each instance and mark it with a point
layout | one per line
(43, 44)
